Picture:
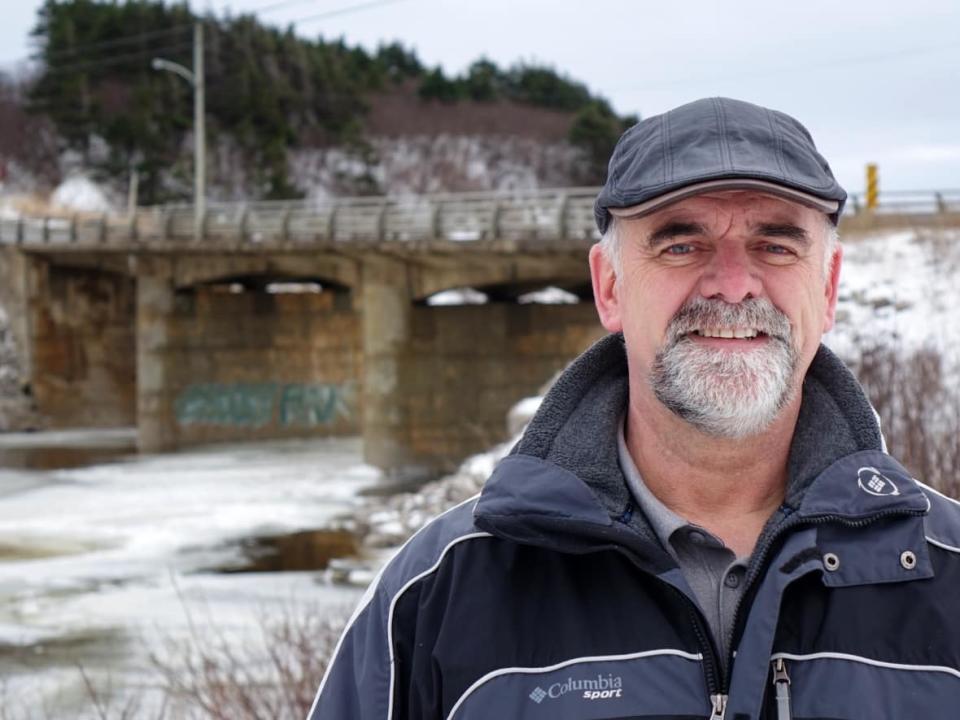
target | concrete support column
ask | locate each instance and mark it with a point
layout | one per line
(387, 320)
(155, 298)
(22, 277)
(18, 305)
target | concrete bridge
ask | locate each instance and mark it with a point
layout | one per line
(303, 319)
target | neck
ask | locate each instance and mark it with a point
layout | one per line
(731, 487)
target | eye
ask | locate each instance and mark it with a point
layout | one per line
(679, 249)
(776, 249)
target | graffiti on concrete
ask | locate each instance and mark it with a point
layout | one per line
(257, 405)
(309, 405)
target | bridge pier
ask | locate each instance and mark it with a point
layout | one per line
(155, 305)
(387, 319)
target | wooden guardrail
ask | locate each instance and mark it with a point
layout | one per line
(527, 217)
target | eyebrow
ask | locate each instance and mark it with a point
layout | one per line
(673, 229)
(783, 230)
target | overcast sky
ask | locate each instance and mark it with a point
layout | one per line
(873, 81)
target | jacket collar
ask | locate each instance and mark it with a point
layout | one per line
(564, 474)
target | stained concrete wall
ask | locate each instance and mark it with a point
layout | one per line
(425, 386)
(249, 365)
(83, 360)
(467, 365)
(17, 410)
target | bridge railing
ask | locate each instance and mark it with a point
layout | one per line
(528, 217)
(907, 202)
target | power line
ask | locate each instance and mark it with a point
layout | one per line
(347, 10)
(144, 55)
(117, 42)
(273, 7)
(66, 54)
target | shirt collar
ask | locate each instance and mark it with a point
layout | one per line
(662, 519)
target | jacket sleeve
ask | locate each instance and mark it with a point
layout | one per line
(358, 684)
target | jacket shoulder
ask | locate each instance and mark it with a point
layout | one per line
(942, 523)
(361, 676)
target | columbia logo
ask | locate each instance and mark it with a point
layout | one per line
(874, 482)
(538, 695)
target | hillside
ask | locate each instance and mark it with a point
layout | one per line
(286, 117)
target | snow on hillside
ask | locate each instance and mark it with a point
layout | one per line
(79, 193)
(898, 288)
(433, 164)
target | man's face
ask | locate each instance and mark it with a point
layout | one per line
(722, 300)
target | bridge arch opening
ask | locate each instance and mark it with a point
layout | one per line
(320, 293)
(549, 292)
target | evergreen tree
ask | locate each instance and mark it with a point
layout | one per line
(267, 89)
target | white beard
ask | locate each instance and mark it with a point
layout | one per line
(729, 394)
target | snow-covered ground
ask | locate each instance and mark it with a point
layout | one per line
(900, 289)
(98, 565)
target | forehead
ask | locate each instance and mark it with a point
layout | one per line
(748, 204)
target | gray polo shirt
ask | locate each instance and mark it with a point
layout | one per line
(713, 571)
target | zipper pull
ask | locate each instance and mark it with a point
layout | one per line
(719, 707)
(781, 681)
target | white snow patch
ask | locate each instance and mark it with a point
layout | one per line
(899, 289)
(522, 413)
(458, 296)
(549, 296)
(81, 194)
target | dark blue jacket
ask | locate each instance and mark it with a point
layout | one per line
(550, 597)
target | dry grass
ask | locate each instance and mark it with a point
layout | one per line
(207, 676)
(212, 678)
(919, 408)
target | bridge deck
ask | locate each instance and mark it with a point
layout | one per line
(541, 220)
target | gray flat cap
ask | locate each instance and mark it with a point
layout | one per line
(715, 144)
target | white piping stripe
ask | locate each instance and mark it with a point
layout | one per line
(936, 492)
(550, 668)
(868, 661)
(403, 590)
(939, 544)
(366, 599)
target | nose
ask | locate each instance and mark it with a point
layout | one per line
(730, 276)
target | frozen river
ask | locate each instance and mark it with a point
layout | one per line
(100, 565)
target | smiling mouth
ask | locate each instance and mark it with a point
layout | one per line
(729, 333)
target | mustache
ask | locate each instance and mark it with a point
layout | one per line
(700, 312)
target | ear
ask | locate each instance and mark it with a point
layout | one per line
(832, 288)
(605, 290)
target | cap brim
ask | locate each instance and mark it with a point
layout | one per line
(828, 207)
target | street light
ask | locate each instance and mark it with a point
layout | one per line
(195, 78)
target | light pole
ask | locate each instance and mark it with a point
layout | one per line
(195, 78)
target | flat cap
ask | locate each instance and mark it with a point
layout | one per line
(715, 144)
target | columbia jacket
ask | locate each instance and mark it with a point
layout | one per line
(549, 596)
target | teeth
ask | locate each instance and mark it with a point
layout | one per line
(728, 332)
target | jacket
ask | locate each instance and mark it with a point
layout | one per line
(549, 596)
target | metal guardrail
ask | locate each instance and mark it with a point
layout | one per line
(907, 202)
(527, 217)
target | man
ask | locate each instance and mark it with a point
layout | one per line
(701, 520)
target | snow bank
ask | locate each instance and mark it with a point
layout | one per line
(80, 194)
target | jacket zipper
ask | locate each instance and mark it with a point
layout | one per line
(712, 674)
(761, 553)
(781, 682)
(719, 703)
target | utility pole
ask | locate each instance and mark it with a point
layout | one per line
(196, 80)
(200, 130)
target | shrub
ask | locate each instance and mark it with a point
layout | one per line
(919, 410)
